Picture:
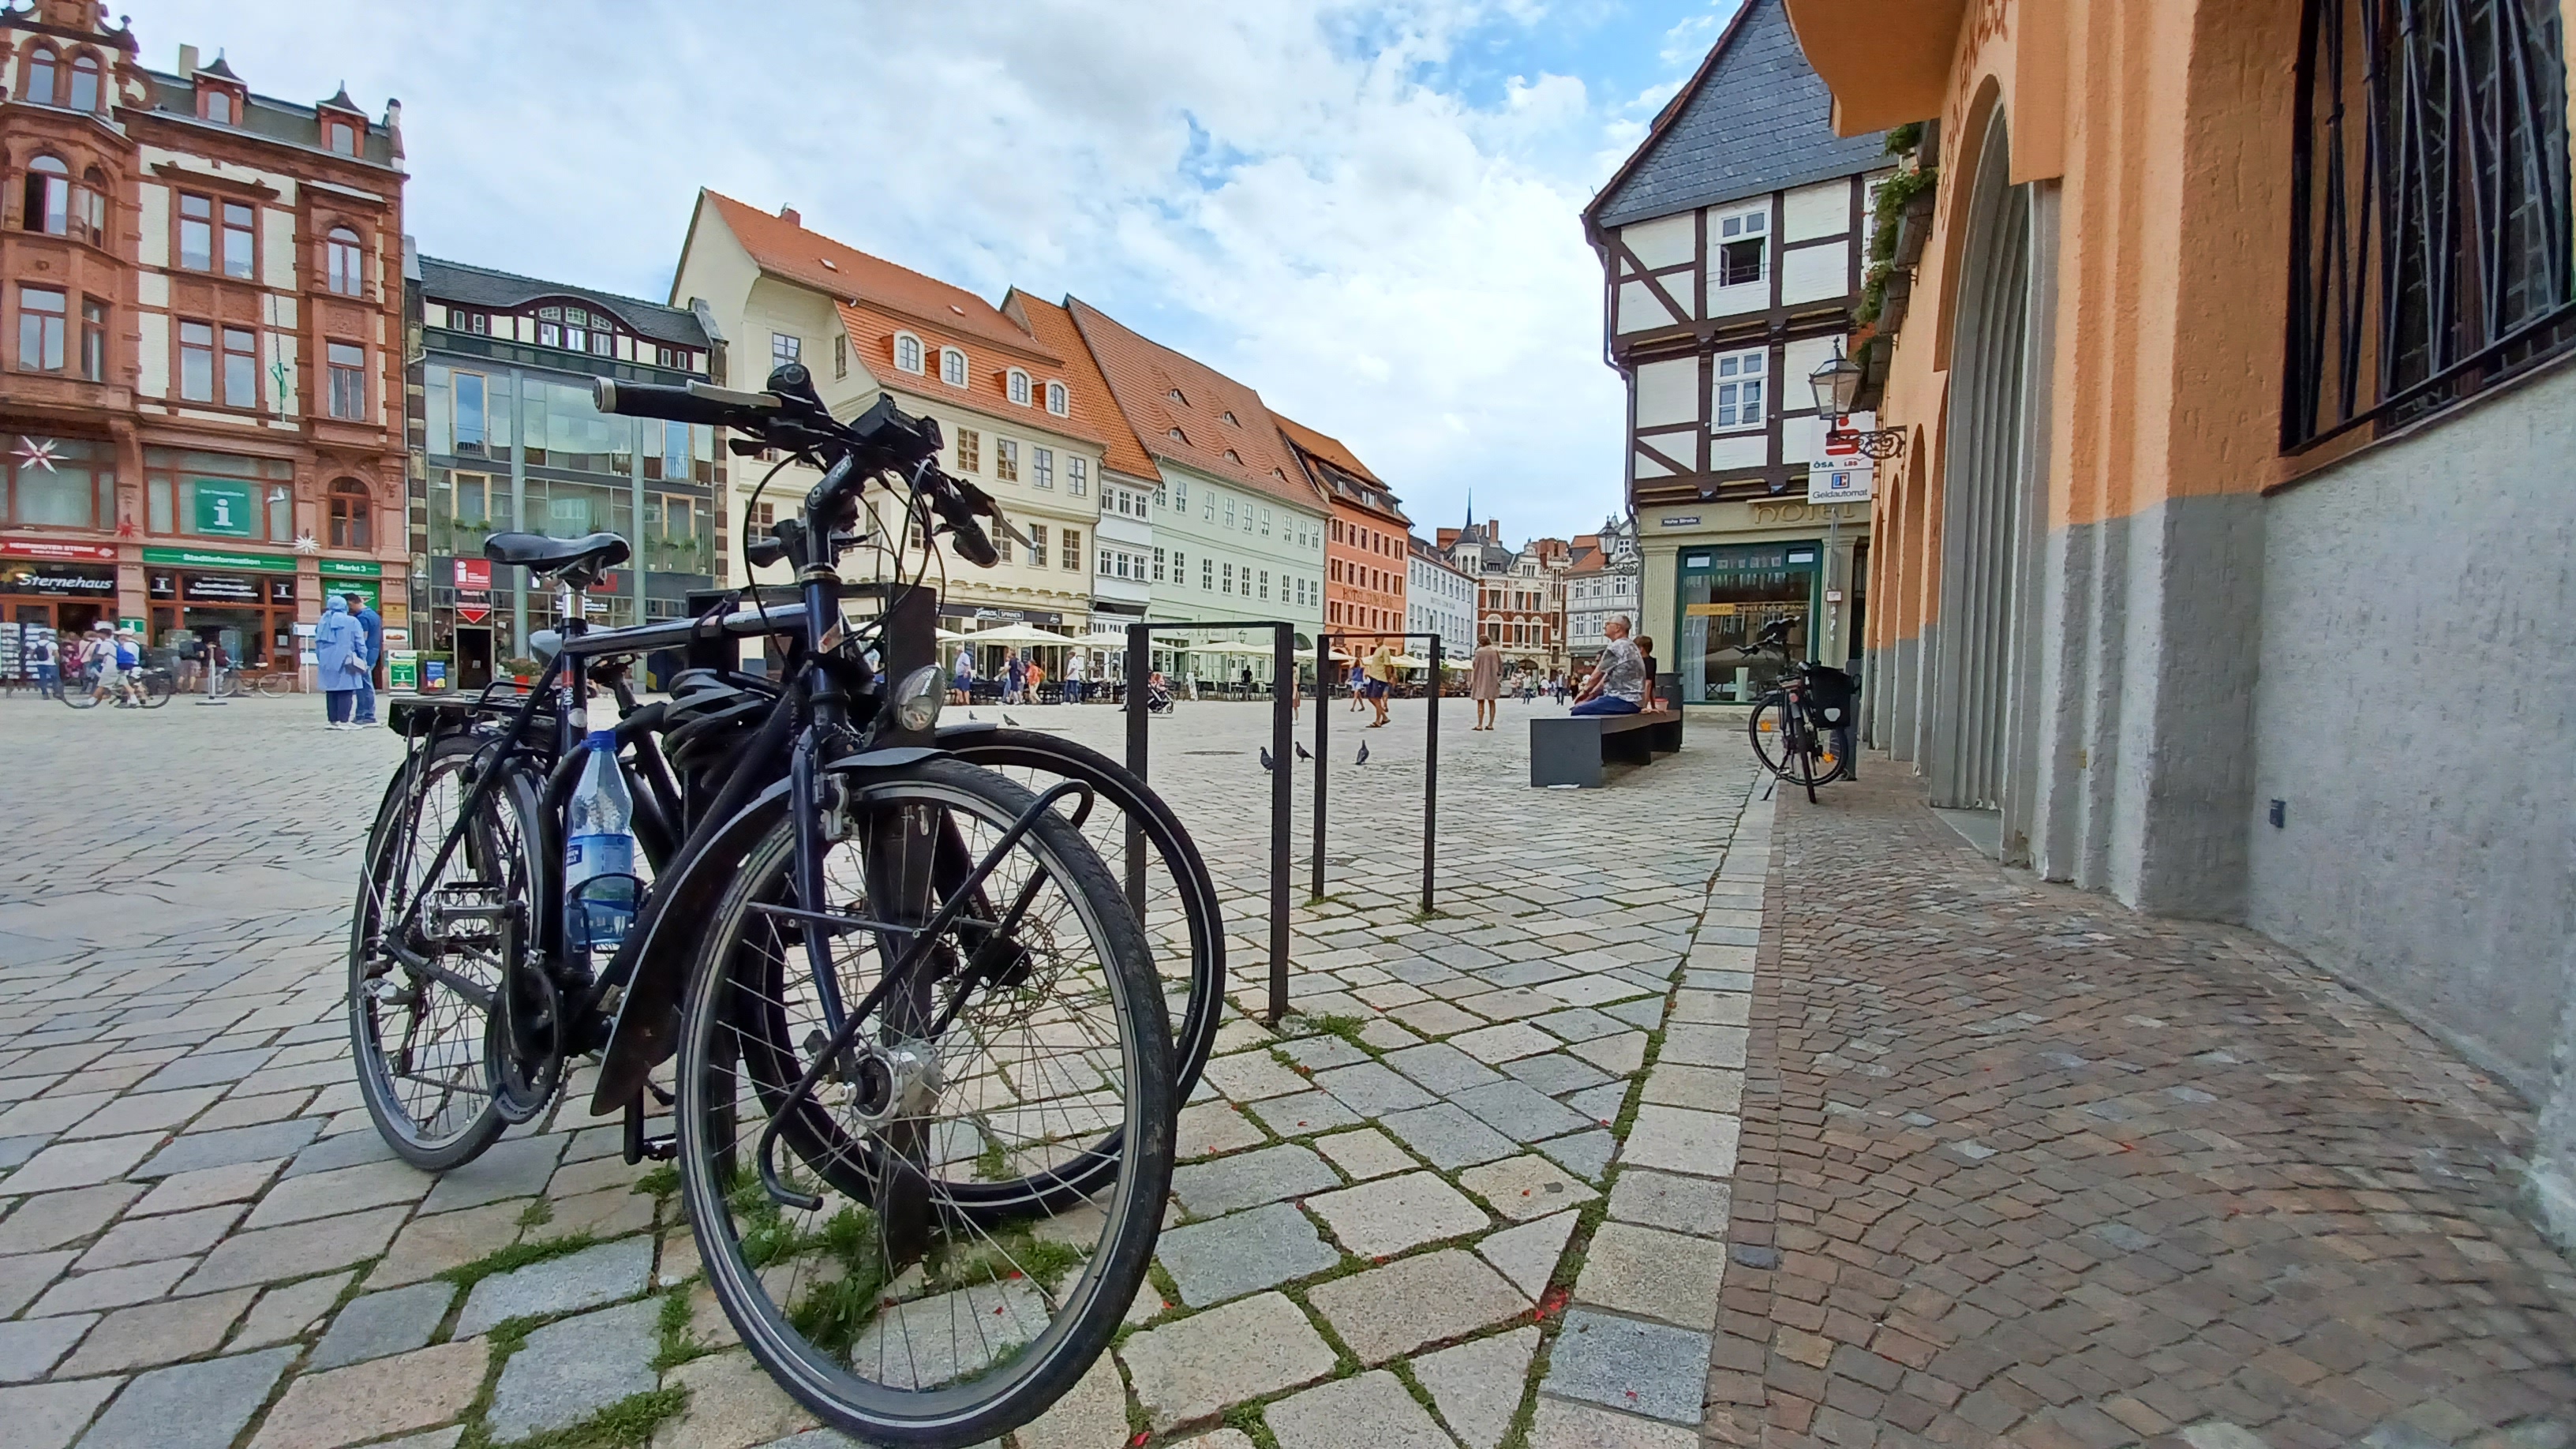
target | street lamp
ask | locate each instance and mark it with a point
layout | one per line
(1836, 384)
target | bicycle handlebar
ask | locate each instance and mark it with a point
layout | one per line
(695, 402)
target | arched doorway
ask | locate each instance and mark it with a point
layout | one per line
(1989, 512)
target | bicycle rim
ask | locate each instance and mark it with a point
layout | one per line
(418, 1042)
(992, 1323)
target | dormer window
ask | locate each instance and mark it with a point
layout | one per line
(952, 367)
(1019, 387)
(1229, 417)
(1175, 395)
(341, 137)
(1057, 403)
(1234, 457)
(907, 352)
(1180, 437)
(219, 107)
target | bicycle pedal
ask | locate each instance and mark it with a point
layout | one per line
(660, 1149)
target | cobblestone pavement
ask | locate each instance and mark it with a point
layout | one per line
(2019, 1167)
(1475, 1191)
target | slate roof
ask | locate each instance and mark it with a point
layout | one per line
(506, 292)
(1755, 119)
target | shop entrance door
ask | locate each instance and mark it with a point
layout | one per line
(1728, 595)
(473, 658)
(71, 619)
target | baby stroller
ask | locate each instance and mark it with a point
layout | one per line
(1158, 698)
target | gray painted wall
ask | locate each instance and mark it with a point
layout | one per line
(2417, 713)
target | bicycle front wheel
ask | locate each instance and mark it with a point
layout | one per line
(1788, 746)
(157, 689)
(80, 695)
(865, 1286)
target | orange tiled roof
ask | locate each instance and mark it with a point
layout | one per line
(1143, 375)
(786, 249)
(1053, 327)
(872, 332)
(1329, 449)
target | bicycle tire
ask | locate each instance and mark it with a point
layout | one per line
(278, 686)
(460, 1046)
(972, 1389)
(85, 697)
(1785, 744)
(1194, 1027)
(157, 689)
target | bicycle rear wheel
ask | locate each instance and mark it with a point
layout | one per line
(158, 686)
(418, 1030)
(1787, 745)
(887, 1306)
(79, 694)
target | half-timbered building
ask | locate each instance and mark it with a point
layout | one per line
(1732, 245)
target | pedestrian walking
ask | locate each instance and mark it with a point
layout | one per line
(1485, 682)
(1074, 669)
(340, 661)
(1380, 670)
(1359, 687)
(961, 683)
(1015, 674)
(46, 656)
(374, 626)
(1034, 682)
(129, 668)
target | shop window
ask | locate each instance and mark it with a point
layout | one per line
(196, 233)
(348, 367)
(49, 197)
(40, 76)
(349, 509)
(40, 329)
(344, 263)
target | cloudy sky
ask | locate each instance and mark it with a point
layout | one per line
(1366, 209)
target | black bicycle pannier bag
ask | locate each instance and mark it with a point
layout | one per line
(1830, 693)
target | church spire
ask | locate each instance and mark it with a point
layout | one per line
(1471, 511)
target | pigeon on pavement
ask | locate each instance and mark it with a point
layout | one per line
(1363, 759)
(1006, 719)
(1303, 753)
(1266, 761)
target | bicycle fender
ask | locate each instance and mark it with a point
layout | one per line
(886, 759)
(647, 1027)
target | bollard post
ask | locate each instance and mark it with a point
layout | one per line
(1323, 758)
(1283, 738)
(1140, 667)
(1431, 780)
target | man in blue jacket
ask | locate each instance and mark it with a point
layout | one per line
(374, 625)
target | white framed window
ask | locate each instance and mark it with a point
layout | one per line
(1180, 567)
(1158, 566)
(1207, 509)
(1265, 529)
(1019, 387)
(840, 354)
(1181, 494)
(1743, 241)
(952, 367)
(1057, 402)
(1737, 400)
(907, 352)
(1006, 457)
(1207, 573)
(1043, 470)
(783, 349)
(1229, 513)
(1077, 475)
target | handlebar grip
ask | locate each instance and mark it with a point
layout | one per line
(698, 402)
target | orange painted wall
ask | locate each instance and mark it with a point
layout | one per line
(1364, 571)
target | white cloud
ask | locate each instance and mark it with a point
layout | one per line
(1285, 189)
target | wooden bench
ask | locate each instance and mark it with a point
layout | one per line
(1572, 750)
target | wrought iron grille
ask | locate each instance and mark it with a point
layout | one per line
(2430, 228)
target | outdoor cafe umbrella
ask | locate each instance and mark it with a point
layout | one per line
(1018, 634)
(1407, 661)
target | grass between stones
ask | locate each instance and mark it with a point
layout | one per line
(662, 1181)
(627, 1424)
(515, 1256)
(677, 1347)
(537, 1213)
(1246, 1418)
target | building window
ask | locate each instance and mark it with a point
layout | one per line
(1073, 549)
(470, 425)
(40, 329)
(1177, 436)
(2429, 215)
(196, 233)
(1006, 459)
(970, 449)
(1229, 513)
(49, 196)
(196, 362)
(1265, 523)
(241, 368)
(1739, 391)
(219, 107)
(40, 76)
(1019, 383)
(1265, 583)
(1038, 545)
(348, 363)
(343, 138)
(349, 514)
(907, 352)
(1158, 565)
(1207, 574)
(93, 353)
(1057, 402)
(1207, 508)
(346, 267)
(952, 367)
(1044, 459)
(840, 354)
(1077, 475)
(238, 243)
(1743, 245)
(784, 349)
(1228, 577)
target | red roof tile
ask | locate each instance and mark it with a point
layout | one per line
(1162, 392)
(1053, 327)
(786, 249)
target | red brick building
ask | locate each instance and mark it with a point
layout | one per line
(200, 344)
(1364, 539)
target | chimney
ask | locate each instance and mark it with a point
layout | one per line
(187, 62)
(788, 215)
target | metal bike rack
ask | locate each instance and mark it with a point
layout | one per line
(1430, 761)
(1283, 717)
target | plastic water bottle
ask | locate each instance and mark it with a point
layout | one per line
(599, 852)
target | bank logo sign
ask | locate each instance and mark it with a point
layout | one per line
(1840, 485)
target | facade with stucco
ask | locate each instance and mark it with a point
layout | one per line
(2224, 567)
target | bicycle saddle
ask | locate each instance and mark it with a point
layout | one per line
(539, 554)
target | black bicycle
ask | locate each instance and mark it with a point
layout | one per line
(1802, 727)
(924, 1087)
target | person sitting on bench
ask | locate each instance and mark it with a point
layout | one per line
(1618, 681)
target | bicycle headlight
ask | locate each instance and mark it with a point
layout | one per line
(916, 703)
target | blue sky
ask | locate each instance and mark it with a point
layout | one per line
(1366, 209)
